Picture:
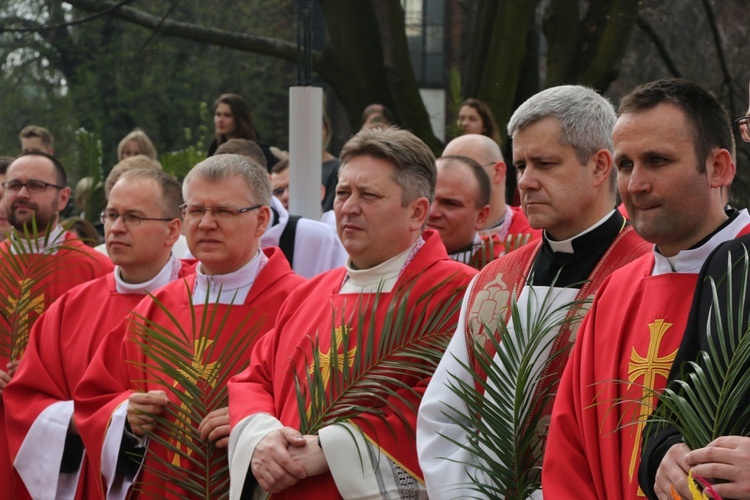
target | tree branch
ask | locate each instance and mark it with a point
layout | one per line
(52, 27)
(720, 51)
(660, 47)
(189, 31)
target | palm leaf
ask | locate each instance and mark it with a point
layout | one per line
(26, 271)
(483, 251)
(501, 417)
(708, 400)
(177, 354)
(373, 361)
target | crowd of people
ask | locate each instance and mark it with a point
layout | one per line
(216, 342)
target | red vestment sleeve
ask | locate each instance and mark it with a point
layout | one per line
(104, 386)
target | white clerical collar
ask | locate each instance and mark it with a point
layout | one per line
(230, 288)
(566, 246)
(382, 277)
(56, 238)
(692, 259)
(168, 274)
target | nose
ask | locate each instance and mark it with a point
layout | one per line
(350, 205)
(636, 180)
(207, 220)
(118, 226)
(527, 180)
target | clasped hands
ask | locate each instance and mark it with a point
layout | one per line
(285, 456)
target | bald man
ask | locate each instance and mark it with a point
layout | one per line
(504, 223)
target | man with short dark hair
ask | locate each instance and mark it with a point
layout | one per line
(118, 398)
(141, 223)
(34, 138)
(40, 261)
(461, 206)
(666, 459)
(504, 222)
(280, 182)
(672, 145)
(386, 182)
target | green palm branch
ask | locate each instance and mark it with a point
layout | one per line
(369, 364)
(484, 251)
(708, 400)
(177, 354)
(25, 272)
(501, 419)
(454, 102)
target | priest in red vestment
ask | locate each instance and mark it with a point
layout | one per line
(584, 240)
(141, 223)
(213, 317)
(35, 272)
(504, 222)
(672, 151)
(286, 440)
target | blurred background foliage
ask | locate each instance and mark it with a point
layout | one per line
(87, 64)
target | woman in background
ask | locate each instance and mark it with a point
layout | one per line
(475, 117)
(233, 120)
(136, 143)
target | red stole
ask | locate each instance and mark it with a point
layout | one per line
(490, 298)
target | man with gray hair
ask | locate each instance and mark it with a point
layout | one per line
(563, 152)
(385, 186)
(117, 401)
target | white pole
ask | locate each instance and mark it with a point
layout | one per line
(305, 150)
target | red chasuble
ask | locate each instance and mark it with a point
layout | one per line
(62, 343)
(114, 373)
(39, 279)
(268, 385)
(625, 344)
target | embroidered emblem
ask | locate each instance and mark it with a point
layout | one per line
(649, 367)
(20, 310)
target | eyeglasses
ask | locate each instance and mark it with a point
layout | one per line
(219, 212)
(127, 219)
(280, 190)
(743, 125)
(32, 186)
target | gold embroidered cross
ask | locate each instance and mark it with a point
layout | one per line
(198, 371)
(326, 359)
(21, 308)
(648, 367)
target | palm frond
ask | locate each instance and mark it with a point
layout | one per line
(489, 248)
(377, 358)
(504, 411)
(178, 361)
(708, 400)
(27, 270)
